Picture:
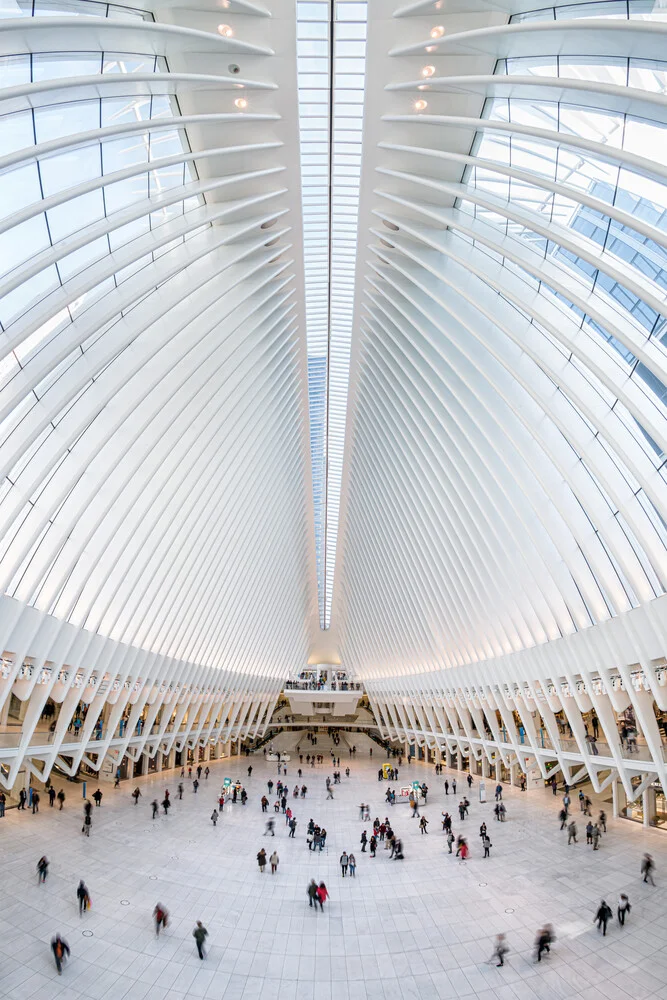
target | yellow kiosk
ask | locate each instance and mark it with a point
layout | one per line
(386, 770)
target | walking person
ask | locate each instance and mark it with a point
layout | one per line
(135, 795)
(423, 823)
(161, 918)
(487, 845)
(543, 942)
(344, 862)
(52, 795)
(312, 893)
(200, 934)
(97, 797)
(273, 861)
(214, 817)
(23, 795)
(61, 799)
(156, 808)
(261, 860)
(450, 839)
(83, 896)
(364, 841)
(42, 870)
(602, 917)
(596, 837)
(623, 908)
(322, 895)
(60, 949)
(87, 823)
(353, 866)
(35, 802)
(572, 832)
(500, 950)
(648, 867)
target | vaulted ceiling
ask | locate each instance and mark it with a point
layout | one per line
(331, 328)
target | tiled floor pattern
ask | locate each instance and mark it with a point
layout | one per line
(419, 928)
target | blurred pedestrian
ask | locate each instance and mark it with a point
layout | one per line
(200, 933)
(602, 916)
(60, 949)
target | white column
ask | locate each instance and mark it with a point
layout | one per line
(614, 799)
(646, 807)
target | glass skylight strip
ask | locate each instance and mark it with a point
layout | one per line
(330, 117)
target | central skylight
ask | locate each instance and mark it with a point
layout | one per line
(331, 62)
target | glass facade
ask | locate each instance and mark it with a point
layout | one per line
(596, 218)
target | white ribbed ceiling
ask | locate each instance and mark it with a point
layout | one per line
(333, 315)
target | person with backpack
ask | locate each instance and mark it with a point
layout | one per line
(87, 823)
(602, 916)
(487, 845)
(344, 862)
(261, 860)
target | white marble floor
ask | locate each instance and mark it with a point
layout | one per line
(422, 927)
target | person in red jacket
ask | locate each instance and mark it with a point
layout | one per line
(322, 894)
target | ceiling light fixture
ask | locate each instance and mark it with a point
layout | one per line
(225, 30)
(420, 105)
(437, 32)
(428, 71)
(241, 103)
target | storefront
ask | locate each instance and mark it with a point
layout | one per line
(649, 809)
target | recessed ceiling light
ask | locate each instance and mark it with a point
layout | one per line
(437, 32)
(241, 103)
(225, 30)
(420, 105)
(428, 71)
